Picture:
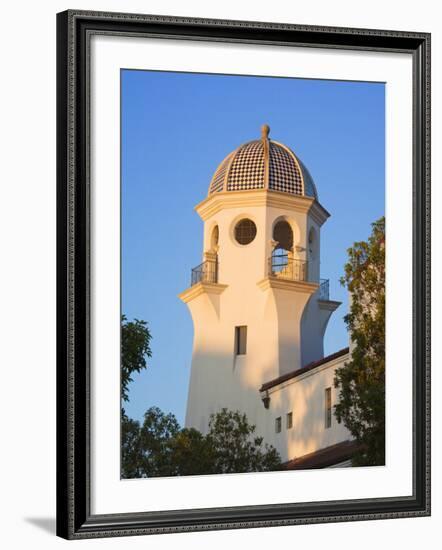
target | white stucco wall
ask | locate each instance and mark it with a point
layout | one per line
(304, 396)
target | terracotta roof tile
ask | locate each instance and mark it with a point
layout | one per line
(324, 457)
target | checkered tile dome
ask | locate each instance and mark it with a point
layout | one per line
(260, 164)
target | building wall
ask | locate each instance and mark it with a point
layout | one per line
(304, 396)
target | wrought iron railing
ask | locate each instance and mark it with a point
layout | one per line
(207, 272)
(284, 267)
(324, 289)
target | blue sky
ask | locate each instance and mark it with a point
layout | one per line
(176, 129)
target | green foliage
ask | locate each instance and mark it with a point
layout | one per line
(135, 347)
(362, 380)
(235, 447)
(192, 453)
(160, 448)
(156, 434)
(130, 448)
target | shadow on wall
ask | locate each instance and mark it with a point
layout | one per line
(222, 380)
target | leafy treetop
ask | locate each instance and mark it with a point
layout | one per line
(135, 348)
(361, 381)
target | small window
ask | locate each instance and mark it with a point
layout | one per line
(328, 408)
(240, 340)
(245, 231)
(289, 420)
(278, 424)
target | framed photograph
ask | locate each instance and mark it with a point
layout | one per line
(243, 274)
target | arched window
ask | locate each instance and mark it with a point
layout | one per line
(283, 235)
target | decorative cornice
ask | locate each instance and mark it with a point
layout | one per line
(319, 213)
(288, 284)
(201, 288)
(330, 305)
(260, 197)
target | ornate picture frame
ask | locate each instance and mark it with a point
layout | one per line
(75, 519)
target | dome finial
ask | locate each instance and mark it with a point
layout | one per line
(265, 131)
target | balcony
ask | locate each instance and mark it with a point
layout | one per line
(284, 267)
(281, 266)
(291, 269)
(207, 272)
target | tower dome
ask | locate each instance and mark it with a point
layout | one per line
(263, 164)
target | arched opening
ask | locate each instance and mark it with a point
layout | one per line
(208, 271)
(284, 265)
(283, 235)
(282, 255)
(214, 238)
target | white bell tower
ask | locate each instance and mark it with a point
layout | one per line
(258, 305)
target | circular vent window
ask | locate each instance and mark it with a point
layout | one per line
(245, 231)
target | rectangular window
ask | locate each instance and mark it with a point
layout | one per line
(278, 425)
(241, 340)
(289, 420)
(328, 408)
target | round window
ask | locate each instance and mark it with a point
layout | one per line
(245, 231)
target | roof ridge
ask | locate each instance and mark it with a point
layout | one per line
(302, 370)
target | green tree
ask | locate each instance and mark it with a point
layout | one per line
(135, 347)
(192, 453)
(160, 448)
(235, 447)
(131, 463)
(361, 381)
(155, 440)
